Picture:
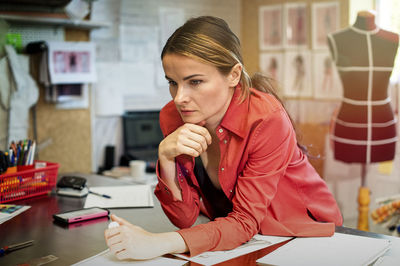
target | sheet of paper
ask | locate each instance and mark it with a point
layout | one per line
(108, 90)
(107, 258)
(214, 257)
(71, 62)
(340, 249)
(121, 197)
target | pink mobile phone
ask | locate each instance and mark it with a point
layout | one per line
(81, 215)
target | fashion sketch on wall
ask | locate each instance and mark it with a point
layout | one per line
(325, 20)
(326, 82)
(270, 27)
(296, 25)
(297, 81)
(271, 64)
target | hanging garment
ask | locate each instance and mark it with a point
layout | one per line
(23, 97)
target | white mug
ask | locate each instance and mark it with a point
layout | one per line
(138, 169)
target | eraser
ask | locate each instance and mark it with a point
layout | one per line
(113, 225)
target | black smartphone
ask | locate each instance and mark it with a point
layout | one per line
(81, 215)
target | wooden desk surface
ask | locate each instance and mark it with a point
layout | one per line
(79, 241)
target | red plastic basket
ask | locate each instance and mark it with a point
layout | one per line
(28, 182)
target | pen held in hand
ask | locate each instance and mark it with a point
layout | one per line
(99, 194)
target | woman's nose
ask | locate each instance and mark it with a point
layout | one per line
(181, 95)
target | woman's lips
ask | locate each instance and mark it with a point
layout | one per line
(187, 112)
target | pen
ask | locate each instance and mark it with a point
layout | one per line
(11, 248)
(101, 195)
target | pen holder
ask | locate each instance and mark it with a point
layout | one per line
(28, 181)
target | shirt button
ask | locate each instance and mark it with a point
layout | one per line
(222, 169)
(187, 171)
(220, 130)
(180, 174)
(181, 179)
(225, 141)
(230, 191)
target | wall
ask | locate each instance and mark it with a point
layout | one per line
(312, 133)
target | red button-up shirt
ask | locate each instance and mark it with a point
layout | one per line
(269, 180)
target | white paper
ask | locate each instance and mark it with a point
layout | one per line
(71, 62)
(139, 43)
(170, 19)
(340, 249)
(214, 257)
(108, 89)
(121, 197)
(107, 258)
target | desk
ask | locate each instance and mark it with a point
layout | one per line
(82, 240)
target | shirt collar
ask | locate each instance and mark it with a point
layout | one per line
(235, 118)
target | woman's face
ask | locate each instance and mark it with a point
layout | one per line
(200, 92)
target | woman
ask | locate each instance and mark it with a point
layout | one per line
(229, 151)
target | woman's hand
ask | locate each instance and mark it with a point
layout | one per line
(128, 241)
(188, 139)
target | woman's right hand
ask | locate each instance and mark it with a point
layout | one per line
(189, 139)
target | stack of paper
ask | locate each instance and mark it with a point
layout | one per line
(340, 249)
(8, 211)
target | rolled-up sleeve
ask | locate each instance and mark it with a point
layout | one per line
(182, 213)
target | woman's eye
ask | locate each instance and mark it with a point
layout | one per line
(171, 83)
(195, 82)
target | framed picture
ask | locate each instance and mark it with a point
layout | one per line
(326, 81)
(296, 25)
(325, 19)
(297, 81)
(271, 65)
(270, 22)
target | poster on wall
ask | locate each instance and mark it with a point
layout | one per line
(297, 68)
(71, 62)
(271, 65)
(325, 20)
(326, 81)
(296, 25)
(270, 27)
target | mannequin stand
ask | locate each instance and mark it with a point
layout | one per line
(363, 202)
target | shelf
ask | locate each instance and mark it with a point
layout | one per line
(63, 22)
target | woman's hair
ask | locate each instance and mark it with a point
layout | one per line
(210, 40)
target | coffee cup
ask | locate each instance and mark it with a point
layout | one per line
(138, 169)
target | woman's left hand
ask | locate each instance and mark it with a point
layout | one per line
(128, 241)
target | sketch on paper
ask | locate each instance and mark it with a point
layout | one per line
(271, 65)
(325, 20)
(270, 27)
(297, 81)
(296, 25)
(327, 84)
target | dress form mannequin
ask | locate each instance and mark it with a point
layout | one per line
(365, 127)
